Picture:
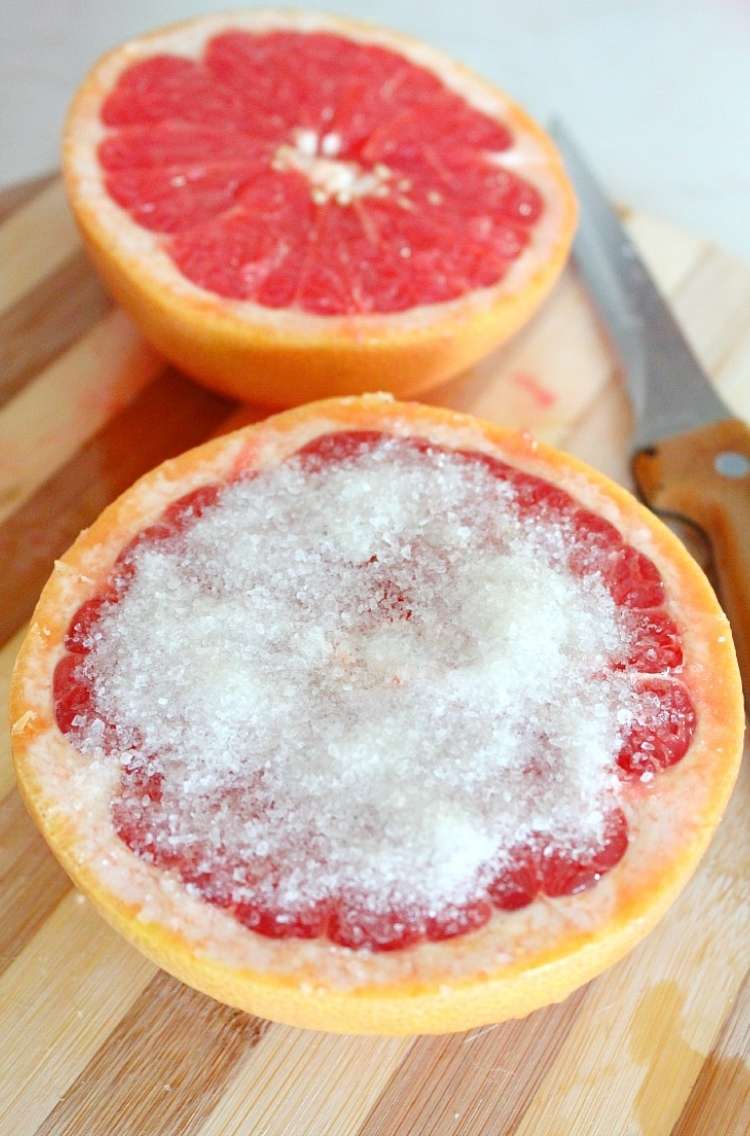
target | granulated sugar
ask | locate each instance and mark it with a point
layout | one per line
(370, 678)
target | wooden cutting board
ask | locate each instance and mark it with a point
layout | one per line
(95, 1040)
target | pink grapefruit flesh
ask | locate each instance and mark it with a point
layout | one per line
(309, 170)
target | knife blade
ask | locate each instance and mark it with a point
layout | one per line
(691, 456)
(668, 387)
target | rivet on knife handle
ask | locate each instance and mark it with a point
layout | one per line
(703, 476)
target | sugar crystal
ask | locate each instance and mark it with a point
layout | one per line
(374, 678)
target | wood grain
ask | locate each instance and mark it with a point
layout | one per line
(96, 1042)
(34, 241)
(31, 881)
(59, 1002)
(720, 1098)
(12, 197)
(43, 323)
(67, 402)
(648, 1024)
(161, 1069)
(472, 1083)
(299, 1080)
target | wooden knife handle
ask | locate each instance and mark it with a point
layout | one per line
(703, 476)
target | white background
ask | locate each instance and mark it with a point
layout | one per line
(658, 91)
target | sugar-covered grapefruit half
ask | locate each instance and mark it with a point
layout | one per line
(292, 205)
(378, 718)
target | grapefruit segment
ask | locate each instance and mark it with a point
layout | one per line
(634, 580)
(665, 722)
(656, 644)
(518, 884)
(71, 694)
(458, 920)
(171, 201)
(360, 743)
(80, 633)
(563, 874)
(397, 212)
(353, 926)
(340, 446)
(193, 505)
(143, 148)
(166, 88)
(307, 924)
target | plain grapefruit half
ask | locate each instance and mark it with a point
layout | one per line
(378, 718)
(293, 205)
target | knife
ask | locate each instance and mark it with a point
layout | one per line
(690, 456)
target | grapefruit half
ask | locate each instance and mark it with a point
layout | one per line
(374, 717)
(292, 205)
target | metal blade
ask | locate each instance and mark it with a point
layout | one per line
(669, 389)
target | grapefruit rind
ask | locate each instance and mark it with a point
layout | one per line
(517, 962)
(275, 357)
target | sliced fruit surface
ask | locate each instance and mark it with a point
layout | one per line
(284, 181)
(374, 717)
(308, 170)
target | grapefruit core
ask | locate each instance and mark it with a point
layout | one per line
(374, 717)
(293, 205)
